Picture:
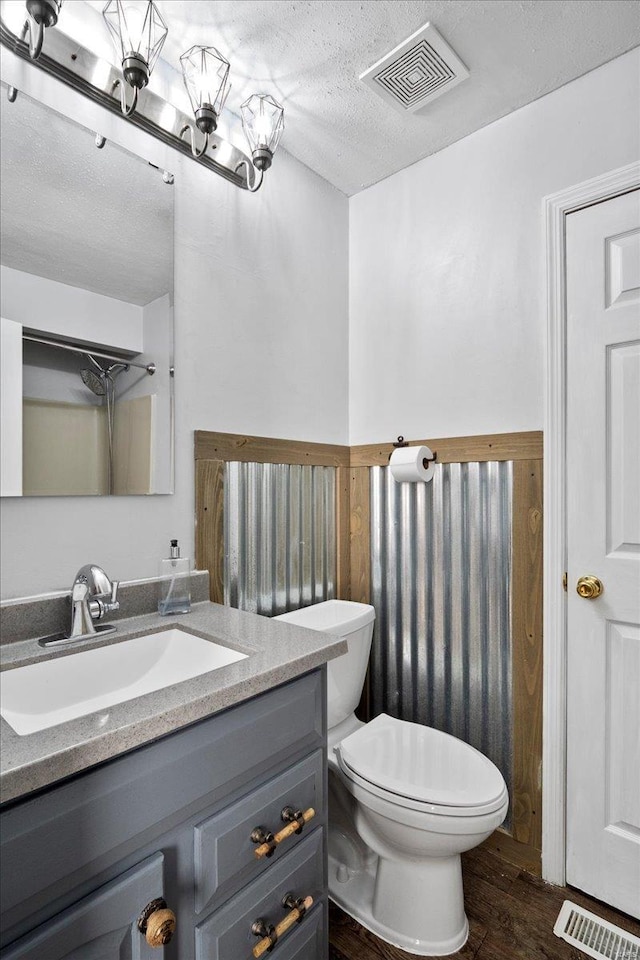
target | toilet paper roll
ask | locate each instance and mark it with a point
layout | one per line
(410, 464)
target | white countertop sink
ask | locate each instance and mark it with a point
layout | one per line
(42, 695)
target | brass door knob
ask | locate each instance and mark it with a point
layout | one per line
(589, 588)
(157, 922)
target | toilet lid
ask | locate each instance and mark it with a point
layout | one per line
(422, 764)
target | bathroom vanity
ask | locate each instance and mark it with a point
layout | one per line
(221, 764)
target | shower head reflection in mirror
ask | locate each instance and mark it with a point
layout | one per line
(87, 261)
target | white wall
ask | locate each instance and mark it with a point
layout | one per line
(447, 268)
(50, 308)
(261, 347)
(158, 348)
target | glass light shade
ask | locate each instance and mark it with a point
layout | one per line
(206, 74)
(138, 33)
(262, 122)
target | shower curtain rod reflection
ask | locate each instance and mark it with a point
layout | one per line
(86, 351)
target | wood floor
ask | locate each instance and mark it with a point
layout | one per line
(511, 916)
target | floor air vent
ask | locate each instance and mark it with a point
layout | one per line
(418, 70)
(595, 937)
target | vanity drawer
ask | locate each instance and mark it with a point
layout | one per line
(224, 854)
(226, 935)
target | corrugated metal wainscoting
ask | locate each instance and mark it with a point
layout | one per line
(279, 536)
(440, 572)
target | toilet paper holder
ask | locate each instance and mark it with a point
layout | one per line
(401, 442)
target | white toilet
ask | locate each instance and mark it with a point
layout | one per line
(404, 802)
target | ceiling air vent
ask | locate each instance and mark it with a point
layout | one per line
(418, 70)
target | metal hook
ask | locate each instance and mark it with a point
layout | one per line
(36, 37)
(192, 140)
(12, 94)
(126, 110)
(257, 183)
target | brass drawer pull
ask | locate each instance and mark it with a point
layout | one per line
(295, 820)
(270, 934)
(157, 922)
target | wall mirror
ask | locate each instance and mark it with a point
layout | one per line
(86, 259)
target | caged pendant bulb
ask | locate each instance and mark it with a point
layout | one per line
(263, 123)
(138, 33)
(206, 76)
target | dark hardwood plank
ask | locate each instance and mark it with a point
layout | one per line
(482, 864)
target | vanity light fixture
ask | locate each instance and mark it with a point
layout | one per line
(206, 76)
(41, 14)
(138, 33)
(263, 123)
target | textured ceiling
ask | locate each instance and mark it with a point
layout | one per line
(54, 181)
(310, 53)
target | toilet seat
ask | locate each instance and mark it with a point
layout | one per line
(421, 768)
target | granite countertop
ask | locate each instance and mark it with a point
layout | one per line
(276, 652)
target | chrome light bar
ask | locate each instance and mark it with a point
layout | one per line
(99, 80)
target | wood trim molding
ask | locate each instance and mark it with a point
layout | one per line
(247, 449)
(360, 553)
(556, 208)
(360, 535)
(210, 445)
(526, 657)
(210, 524)
(498, 446)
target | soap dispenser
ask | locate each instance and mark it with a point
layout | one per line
(175, 583)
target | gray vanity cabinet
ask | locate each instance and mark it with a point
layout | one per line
(99, 926)
(173, 820)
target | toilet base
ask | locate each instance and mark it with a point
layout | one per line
(354, 893)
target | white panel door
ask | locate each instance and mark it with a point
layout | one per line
(603, 511)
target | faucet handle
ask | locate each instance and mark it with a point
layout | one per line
(94, 586)
(110, 606)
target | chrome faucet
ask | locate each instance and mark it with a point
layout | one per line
(93, 596)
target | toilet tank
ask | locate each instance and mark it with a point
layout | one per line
(345, 675)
